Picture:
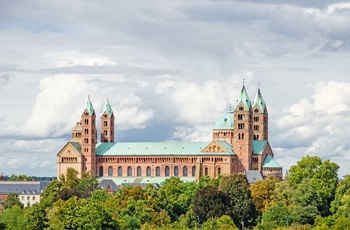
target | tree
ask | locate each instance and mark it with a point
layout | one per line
(12, 200)
(209, 202)
(51, 192)
(79, 214)
(341, 203)
(36, 217)
(263, 192)
(12, 218)
(322, 175)
(175, 196)
(241, 203)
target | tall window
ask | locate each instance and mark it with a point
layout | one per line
(240, 125)
(101, 171)
(256, 127)
(139, 172)
(240, 116)
(120, 171)
(110, 171)
(148, 171)
(206, 171)
(129, 171)
(158, 171)
(176, 171)
(219, 171)
(194, 171)
(86, 121)
(184, 171)
(167, 171)
(256, 119)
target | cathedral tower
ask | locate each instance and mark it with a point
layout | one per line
(88, 137)
(107, 124)
(260, 118)
(243, 134)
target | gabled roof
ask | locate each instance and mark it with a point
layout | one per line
(244, 98)
(154, 148)
(22, 187)
(269, 162)
(108, 182)
(77, 126)
(253, 176)
(89, 107)
(259, 146)
(75, 145)
(259, 101)
(224, 148)
(108, 109)
(225, 121)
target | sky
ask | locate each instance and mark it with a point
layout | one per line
(169, 70)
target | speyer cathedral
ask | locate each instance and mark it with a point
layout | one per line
(239, 145)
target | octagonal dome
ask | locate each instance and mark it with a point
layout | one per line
(225, 121)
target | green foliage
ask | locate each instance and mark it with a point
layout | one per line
(320, 175)
(52, 192)
(12, 200)
(241, 203)
(341, 203)
(79, 214)
(22, 177)
(263, 192)
(175, 196)
(13, 218)
(36, 217)
(209, 202)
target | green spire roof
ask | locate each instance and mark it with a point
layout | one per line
(108, 109)
(244, 98)
(259, 101)
(269, 162)
(89, 106)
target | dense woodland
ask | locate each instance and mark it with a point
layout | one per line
(311, 197)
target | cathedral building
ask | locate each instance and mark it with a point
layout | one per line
(239, 145)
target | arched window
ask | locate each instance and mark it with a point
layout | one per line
(139, 172)
(158, 171)
(176, 171)
(167, 171)
(101, 171)
(110, 171)
(194, 171)
(148, 171)
(219, 171)
(184, 171)
(129, 171)
(120, 171)
(206, 171)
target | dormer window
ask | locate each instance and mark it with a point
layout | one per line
(256, 110)
(241, 108)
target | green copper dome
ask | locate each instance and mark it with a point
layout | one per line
(225, 121)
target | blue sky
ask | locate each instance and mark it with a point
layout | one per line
(169, 70)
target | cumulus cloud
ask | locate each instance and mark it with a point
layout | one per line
(316, 125)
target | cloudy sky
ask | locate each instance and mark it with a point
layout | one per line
(169, 69)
